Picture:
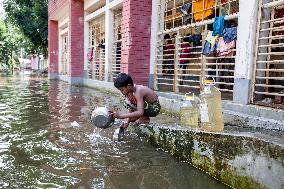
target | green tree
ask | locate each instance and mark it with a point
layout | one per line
(31, 17)
(4, 55)
(11, 41)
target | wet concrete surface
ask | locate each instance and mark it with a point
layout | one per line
(39, 148)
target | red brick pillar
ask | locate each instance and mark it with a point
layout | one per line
(76, 38)
(136, 35)
(53, 49)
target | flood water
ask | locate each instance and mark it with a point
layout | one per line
(39, 147)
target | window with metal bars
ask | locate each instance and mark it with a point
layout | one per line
(178, 13)
(96, 49)
(116, 46)
(184, 25)
(268, 85)
(64, 55)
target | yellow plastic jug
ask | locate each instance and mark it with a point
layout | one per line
(211, 116)
(189, 112)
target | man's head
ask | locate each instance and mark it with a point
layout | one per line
(124, 83)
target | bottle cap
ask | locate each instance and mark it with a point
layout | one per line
(208, 80)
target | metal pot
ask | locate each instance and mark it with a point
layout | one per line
(102, 118)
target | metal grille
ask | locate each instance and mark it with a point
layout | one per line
(116, 46)
(180, 64)
(96, 49)
(199, 10)
(64, 55)
(268, 87)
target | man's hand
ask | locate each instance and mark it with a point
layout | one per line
(116, 115)
(124, 125)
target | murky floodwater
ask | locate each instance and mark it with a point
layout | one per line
(39, 148)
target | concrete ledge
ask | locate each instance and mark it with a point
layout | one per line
(101, 85)
(71, 80)
(53, 76)
(245, 120)
(234, 114)
(240, 161)
(76, 81)
(254, 110)
(64, 78)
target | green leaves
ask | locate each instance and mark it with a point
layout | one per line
(31, 17)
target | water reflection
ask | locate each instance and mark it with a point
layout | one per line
(39, 148)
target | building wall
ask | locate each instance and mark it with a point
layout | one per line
(76, 38)
(138, 21)
(136, 27)
(54, 7)
(136, 38)
(53, 49)
(55, 10)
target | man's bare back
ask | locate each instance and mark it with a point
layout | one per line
(148, 94)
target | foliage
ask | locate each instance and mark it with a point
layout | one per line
(11, 41)
(31, 17)
(4, 55)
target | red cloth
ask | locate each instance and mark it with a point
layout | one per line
(169, 49)
(185, 52)
(279, 13)
(90, 54)
(132, 99)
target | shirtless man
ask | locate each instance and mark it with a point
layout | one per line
(141, 101)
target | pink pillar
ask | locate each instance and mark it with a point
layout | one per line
(136, 35)
(76, 38)
(53, 49)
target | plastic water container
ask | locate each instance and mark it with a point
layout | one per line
(211, 116)
(189, 111)
(102, 118)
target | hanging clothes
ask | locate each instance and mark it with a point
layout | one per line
(186, 8)
(210, 44)
(208, 48)
(210, 38)
(185, 52)
(230, 34)
(224, 49)
(198, 9)
(195, 39)
(218, 25)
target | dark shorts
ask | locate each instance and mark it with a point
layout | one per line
(150, 109)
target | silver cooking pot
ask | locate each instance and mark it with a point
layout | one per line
(102, 118)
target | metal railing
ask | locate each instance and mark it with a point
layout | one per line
(199, 10)
(268, 84)
(116, 46)
(96, 49)
(180, 64)
(64, 55)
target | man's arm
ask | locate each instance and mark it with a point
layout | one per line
(136, 114)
